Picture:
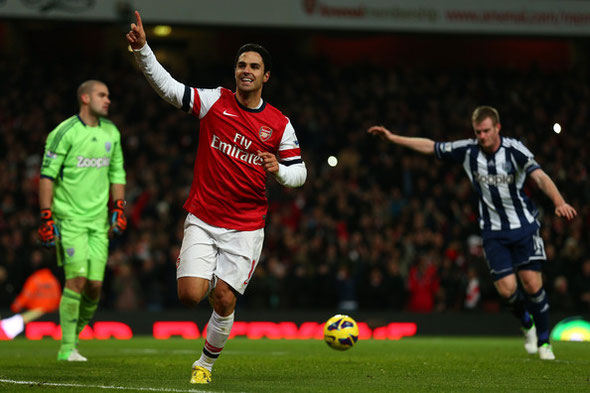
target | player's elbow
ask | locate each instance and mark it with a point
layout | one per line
(301, 178)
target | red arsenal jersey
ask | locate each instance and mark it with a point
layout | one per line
(229, 184)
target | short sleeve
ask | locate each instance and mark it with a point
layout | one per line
(452, 151)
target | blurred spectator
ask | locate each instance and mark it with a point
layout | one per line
(452, 284)
(41, 291)
(373, 293)
(472, 292)
(6, 289)
(561, 298)
(395, 286)
(346, 289)
(582, 287)
(423, 285)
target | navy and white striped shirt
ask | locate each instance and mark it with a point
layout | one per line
(498, 179)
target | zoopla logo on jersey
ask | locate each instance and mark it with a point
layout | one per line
(494, 180)
(97, 163)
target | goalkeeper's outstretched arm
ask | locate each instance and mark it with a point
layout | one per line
(422, 145)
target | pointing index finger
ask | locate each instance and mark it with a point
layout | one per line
(138, 17)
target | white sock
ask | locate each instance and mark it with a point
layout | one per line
(14, 325)
(218, 331)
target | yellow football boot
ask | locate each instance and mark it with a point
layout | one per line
(200, 375)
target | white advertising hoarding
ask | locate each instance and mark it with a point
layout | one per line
(539, 17)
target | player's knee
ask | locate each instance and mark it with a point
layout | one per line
(532, 287)
(225, 301)
(76, 284)
(531, 281)
(93, 289)
(506, 286)
(189, 297)
(192, 290)
(188, 300)
(506, 291)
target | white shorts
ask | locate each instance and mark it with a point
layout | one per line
(229, 254)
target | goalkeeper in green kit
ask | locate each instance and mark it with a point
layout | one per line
(82, 162)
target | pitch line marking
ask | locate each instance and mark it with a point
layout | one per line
(78, 385)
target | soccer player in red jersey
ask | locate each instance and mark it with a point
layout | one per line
(240, 138)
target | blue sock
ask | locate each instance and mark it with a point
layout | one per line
(517, 308)
(538, 304)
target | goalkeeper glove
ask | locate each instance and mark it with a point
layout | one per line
(47, 231)
(118, 219)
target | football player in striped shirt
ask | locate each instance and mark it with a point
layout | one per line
(497, 168)
(240, 138)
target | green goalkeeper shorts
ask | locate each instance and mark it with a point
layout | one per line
(83, 248)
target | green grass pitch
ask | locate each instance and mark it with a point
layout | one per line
(416, 364)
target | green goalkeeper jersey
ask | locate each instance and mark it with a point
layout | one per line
(83, 161)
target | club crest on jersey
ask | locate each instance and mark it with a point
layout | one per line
(70, 251)
(107, 146)
(508, 166)
(264, 133)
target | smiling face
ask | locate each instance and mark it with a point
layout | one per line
(249, 73)
(487, 134)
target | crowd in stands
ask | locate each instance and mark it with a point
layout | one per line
(385, 229)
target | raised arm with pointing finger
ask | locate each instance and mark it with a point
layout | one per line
(167, 87)
(242, 139)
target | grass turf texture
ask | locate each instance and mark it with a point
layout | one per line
(428, 364)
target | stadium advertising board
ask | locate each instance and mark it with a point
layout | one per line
(163, 330)
(544, 17)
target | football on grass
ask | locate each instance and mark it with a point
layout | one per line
(341, 332)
